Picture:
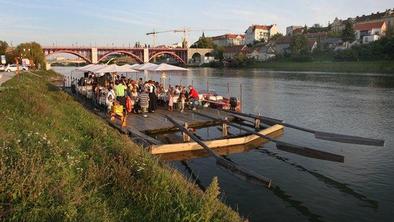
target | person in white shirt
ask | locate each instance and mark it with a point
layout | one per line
(110, 98)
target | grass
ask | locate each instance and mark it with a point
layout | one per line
(59, 162)
(329, 66)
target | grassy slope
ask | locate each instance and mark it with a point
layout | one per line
(60, 162)
(363, 67)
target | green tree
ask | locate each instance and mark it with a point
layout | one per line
(203, 42)
(299, 45)
(348, 33)
(3, 47)
(218, 52)
(32, 51)
(305, 29)
(276, 36)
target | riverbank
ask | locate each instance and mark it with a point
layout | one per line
(352, 67)
(59, 162)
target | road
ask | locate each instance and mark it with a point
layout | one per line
(5, 76)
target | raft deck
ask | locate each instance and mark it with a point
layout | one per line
(155, 125)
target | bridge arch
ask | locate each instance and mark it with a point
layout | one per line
(177, 57)
(134, 56)
(69, 52)
(196, 58)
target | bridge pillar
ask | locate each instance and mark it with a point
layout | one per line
(94, 58)
(146, 55)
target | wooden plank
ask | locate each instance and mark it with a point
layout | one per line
(180, 147)
(135, 133)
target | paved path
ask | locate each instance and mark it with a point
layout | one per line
(5, 76)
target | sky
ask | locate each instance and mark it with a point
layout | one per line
(124, 22)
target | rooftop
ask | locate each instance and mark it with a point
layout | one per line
(369, 26)
(264, 27)
(228, 36)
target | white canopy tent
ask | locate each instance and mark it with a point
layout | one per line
(91, 67)
(165, 68)
(134, 66)
(147, 66)
(115, 68)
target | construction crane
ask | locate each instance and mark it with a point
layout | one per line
(185, 32)
(154, 35)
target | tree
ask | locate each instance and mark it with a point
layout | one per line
(348, 33)
(305, 29)
(218, 52)
(276, 36)
(299, 45)
(3, 47)
(203, 42)
(32, 51)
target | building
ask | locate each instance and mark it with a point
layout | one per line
(228, 40)
(369, 32)
(290, 30)
(262, 53)
(231, 51)
(260, 32)
(387, 16)
(282, 45)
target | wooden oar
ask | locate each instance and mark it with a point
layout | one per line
(296, 149)
(318, 134)
(228, 165)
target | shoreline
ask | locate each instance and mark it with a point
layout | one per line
(374, 67)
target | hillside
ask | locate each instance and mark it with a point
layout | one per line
(59, 162)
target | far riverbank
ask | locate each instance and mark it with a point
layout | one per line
(328, 66)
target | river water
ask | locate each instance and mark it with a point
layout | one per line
(304, 189)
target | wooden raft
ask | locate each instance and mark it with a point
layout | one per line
(189, 150)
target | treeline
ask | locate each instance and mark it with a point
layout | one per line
(29, 50)
(382, 49)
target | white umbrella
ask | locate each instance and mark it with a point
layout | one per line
(115, 68)
(147, 66)
(87, 67)
(163, 68)
(92, 68)
(134, 66)
(166, 67)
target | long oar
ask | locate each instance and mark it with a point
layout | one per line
(296, 149)
(240, 171)
(318, 134)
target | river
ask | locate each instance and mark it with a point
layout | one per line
(360, 189)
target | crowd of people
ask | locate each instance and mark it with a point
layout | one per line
(138, 96)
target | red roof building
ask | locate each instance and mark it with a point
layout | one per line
(260, 33)
(228, 40)
(370, 31)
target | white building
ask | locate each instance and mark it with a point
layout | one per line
(259, 32)
(228, 40)
(369, 32)
(262, 53)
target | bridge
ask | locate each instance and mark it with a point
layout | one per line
(141, 55)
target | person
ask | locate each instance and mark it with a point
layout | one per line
(170, 100)
(182, 101)
(193, 97)
(140, 85)
(134, 98)
(144, 102)
(152, 97)
(120, 92)
(109, 99)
